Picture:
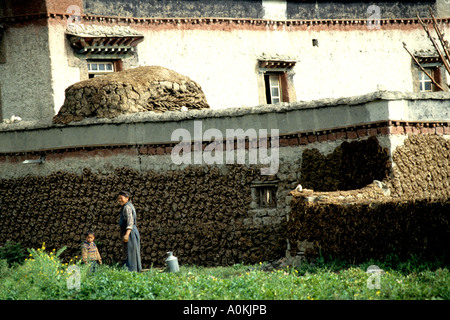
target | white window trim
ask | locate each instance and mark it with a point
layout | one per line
(423, 79)
(100, 72)
(277, 86)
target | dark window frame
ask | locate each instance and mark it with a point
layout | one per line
(265, 194)
(435, 67)
(282, 85)
(284, 70)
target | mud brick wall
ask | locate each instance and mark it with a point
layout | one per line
(200, 213)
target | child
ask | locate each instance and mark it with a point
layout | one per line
(90, 252)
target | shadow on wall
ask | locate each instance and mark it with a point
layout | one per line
(352, 165)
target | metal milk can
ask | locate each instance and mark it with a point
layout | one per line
(172, 262)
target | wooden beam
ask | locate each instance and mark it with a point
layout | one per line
(116, 40)
(122, 41)
(446, 64)
(441, 38)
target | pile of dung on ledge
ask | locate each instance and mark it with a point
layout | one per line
(148, 88)
(405, 213)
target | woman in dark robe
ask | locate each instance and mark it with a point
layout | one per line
(131, 241)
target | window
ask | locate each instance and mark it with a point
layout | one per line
(273, 88)
(433, 66)
(99, 68)
(265, 194)
(267, 197)
(275, 81)
(277, 87)
(425, 83)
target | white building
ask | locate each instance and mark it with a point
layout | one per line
(242, 53)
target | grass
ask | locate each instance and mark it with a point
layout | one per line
(44, 276)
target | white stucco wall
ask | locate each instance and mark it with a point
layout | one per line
(348, 61)
(64, 69)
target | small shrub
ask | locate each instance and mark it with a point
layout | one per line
(41, 276)
(3, 268)
(12, 252)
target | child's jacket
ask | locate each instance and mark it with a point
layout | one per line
(90, 252)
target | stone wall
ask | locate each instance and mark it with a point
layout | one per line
(208, 215)
(256, 9)
(175, 8)
(357, 9)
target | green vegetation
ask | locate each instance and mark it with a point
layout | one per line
(42, 275)
(12, 252)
